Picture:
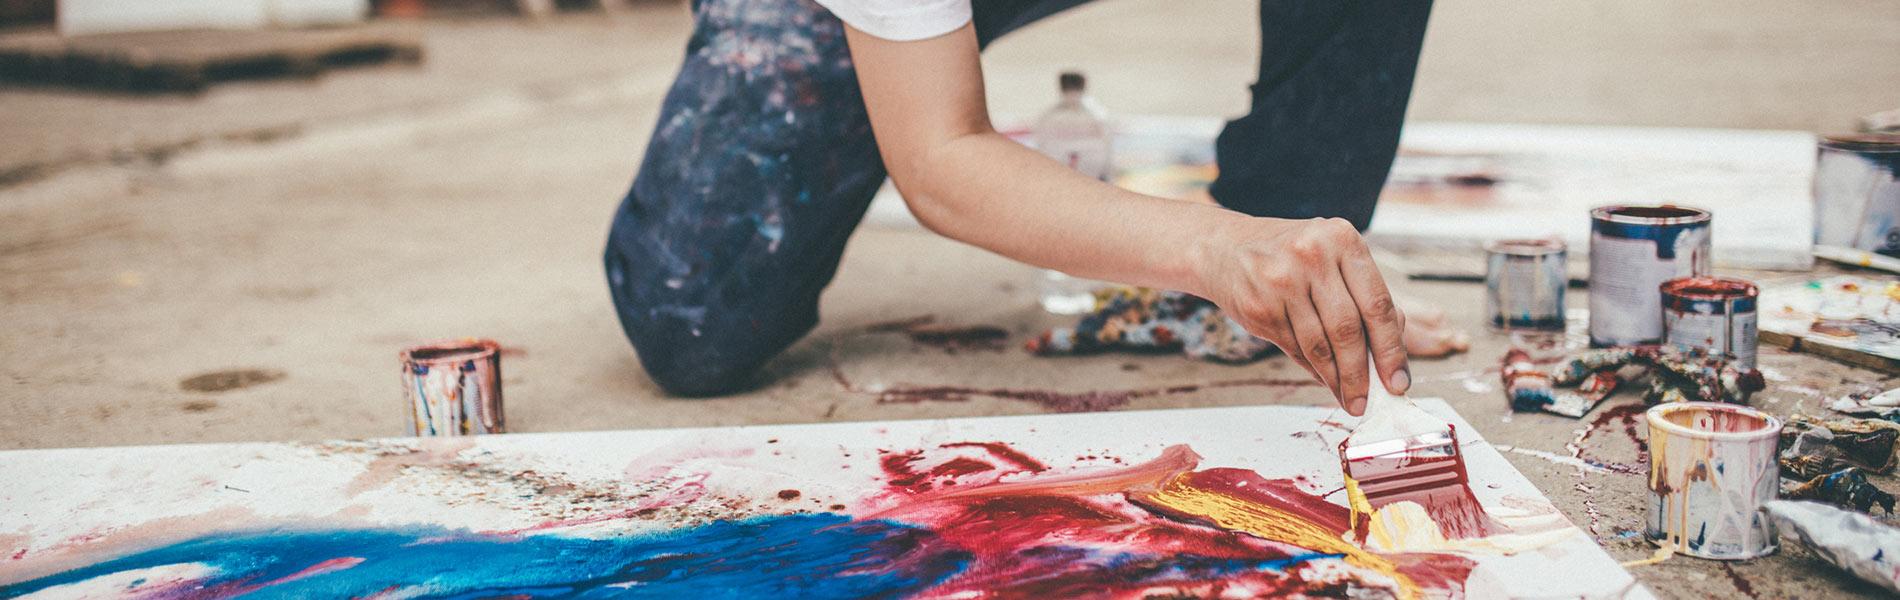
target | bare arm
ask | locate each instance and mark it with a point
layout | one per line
(1309, 286)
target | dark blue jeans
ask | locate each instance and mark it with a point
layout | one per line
(763, 162)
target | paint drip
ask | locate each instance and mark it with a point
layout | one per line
(1711, 466)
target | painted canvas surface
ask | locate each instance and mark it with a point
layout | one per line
(1851, 313)
(1231, 502)
(1459, 185)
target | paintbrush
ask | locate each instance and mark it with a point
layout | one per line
(1398, 452)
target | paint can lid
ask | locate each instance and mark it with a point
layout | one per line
(1862, 142)
(1525, 247)
(1666, 214)
(1710, 288)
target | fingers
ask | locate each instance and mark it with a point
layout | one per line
(1384, 323)
(1340, 317)
(1316, 349)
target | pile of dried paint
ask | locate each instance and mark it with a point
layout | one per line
(1675, 375)
(1145, 319)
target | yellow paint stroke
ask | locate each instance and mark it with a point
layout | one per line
(1274, 524)
(1405, 526)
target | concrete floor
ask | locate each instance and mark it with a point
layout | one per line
(314, 228)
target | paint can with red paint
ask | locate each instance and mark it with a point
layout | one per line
(1711, 467)
(453, 387)
(1524, 282)
(1633, 250)
(1713, 313)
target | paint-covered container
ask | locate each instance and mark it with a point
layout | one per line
(453, 387)
(1711, 466)
(1633, 250)
(1857, 192)
(1524, 283)
(1713, 313)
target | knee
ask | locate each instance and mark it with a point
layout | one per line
(706, 347)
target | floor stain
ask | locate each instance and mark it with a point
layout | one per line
(198, 406)
(224, 381)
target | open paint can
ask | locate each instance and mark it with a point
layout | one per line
(1712, 313)
(1524, 283)
(1857, 192)
(1633, 250)
(453, 387)
(1711, 466)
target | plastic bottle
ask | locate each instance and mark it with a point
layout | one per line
(1075, 132)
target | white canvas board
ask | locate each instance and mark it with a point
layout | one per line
(68, 508)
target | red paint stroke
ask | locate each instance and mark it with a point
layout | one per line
(328, 566)
(1090, 534)
(912, 472)
(788, 494)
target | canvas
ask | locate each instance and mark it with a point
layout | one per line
(1227, 501)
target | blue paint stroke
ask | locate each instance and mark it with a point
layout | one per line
(801, 556)
(822, 555)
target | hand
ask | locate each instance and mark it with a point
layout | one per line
(1310, 287)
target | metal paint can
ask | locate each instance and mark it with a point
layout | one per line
(1857, 192)
(453, 387)
(1524, 282)
(1633, 250)
(1711, 466)
(1714, 313)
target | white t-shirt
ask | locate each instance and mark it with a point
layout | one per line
(901, 20)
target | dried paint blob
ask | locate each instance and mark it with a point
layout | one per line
(224, 381)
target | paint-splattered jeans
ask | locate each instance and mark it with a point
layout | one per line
(762, 163)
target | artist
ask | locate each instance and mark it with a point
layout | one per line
(764, 160)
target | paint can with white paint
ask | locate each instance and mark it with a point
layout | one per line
(1633, 250)
(1713, 313)
(1524, 282)
(1857, 192)
(1711, 467)
(453, 387)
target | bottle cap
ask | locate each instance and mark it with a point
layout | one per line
(1072, 81)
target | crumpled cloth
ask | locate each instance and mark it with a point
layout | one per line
(1852, 541)
(1146, 319)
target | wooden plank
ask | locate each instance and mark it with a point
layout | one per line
(1847, 356)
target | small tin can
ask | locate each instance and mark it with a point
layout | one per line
(453, 387)
(1524, 282)
(1633, 250)
(1713, 313)
(1711, 466)
(1857, 192)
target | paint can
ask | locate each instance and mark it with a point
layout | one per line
(1524, 282)
(1857, 192)
(1711, 466)
(453, 387)
(1713, 313)
(1633, 250)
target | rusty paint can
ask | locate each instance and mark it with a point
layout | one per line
(1524, 282)
(1713, 313)
(453, 387)
(1857, 192)
(1711, 466)
(1633, 250)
